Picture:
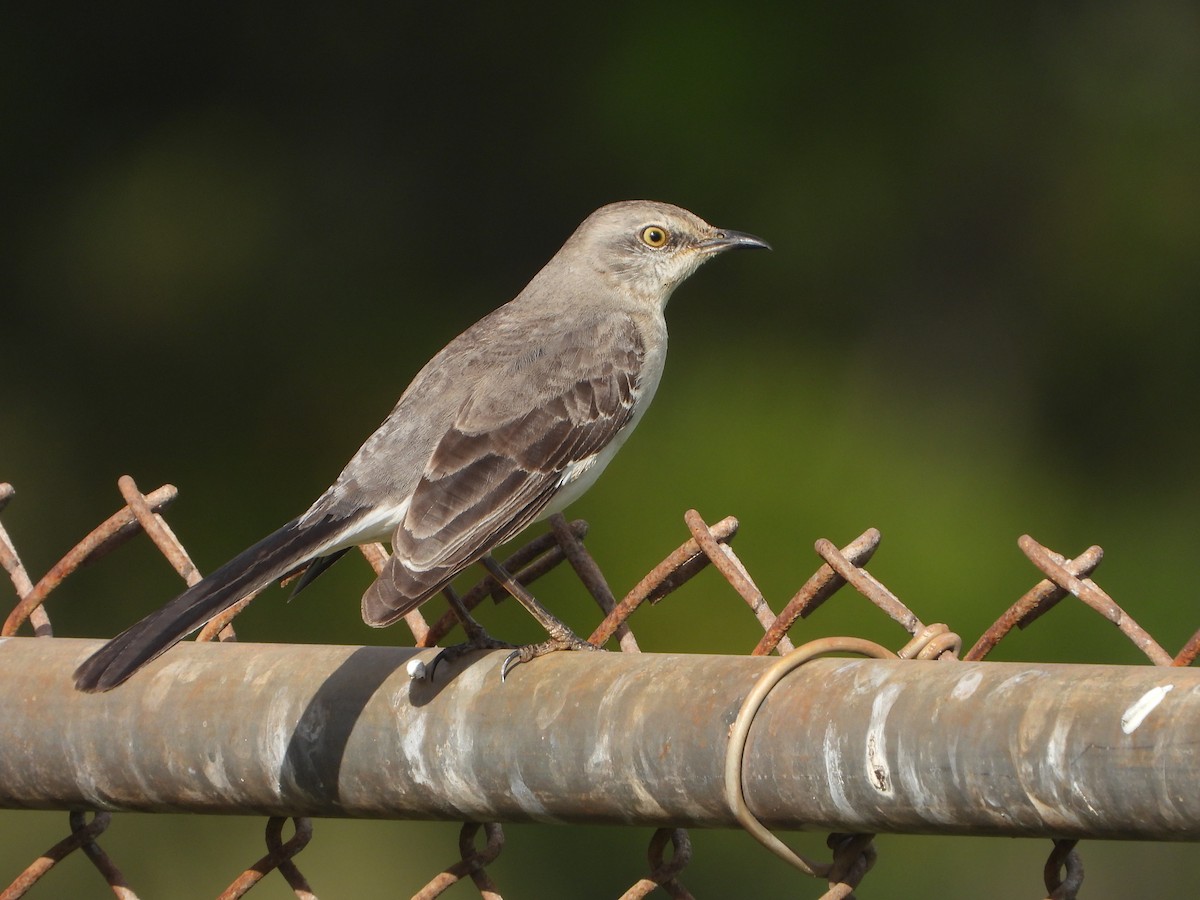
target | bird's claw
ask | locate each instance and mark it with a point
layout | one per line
(482, 641)
(422, 671)
(530, 652)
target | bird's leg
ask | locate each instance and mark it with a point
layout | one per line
(555, 627)
(477, 636)
(561, 636)
(475, 632)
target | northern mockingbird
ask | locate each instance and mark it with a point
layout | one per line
(510, 422)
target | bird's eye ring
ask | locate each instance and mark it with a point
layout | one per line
(655, 236)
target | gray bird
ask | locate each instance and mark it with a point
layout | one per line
(511, 421)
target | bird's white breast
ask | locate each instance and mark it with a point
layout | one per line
(582, 474)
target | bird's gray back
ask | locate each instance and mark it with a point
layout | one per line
(508, 363)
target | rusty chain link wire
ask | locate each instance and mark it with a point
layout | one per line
(82, 837)
(279, 858)
(473, 863)
(852, 855)
(140, 513)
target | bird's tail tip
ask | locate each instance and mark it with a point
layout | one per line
(94, 675)
(249, 571)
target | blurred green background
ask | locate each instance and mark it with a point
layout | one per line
(230, 234)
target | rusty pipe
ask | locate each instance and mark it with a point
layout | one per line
(840, 744)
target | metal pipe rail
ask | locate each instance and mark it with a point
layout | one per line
(842, 744)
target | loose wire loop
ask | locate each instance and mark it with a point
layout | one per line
(740, 732)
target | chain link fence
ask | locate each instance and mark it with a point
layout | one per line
(670, 850)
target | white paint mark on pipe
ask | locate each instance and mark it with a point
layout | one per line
(833, 766)
(966, 685)
(879, 772)
(1143, 706)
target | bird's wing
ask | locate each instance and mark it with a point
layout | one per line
(494, 471)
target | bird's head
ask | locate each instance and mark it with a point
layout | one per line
(649, 247)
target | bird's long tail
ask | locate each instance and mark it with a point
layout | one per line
(253, 569)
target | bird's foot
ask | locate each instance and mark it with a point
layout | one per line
(530, 652)
(479, 640)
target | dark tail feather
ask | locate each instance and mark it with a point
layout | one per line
(251, 570)
(313, 570)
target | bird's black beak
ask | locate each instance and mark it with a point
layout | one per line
(729, 240)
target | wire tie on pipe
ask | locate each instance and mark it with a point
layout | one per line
(735, 751)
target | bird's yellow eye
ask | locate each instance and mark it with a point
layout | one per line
(654, 236)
